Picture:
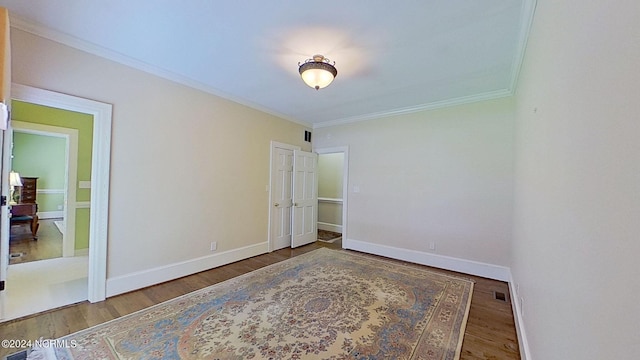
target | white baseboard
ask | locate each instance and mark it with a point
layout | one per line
(50, 214)
(329, 227)
(525, 353)
(141, 279)
(496, 272)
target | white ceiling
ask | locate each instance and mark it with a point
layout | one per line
(392, 56)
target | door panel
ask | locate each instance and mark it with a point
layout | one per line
(305, 198)
(282, 198)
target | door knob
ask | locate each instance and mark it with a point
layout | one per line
(276, 204)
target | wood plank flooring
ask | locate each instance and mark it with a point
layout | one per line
(48, 245)
(490, 332)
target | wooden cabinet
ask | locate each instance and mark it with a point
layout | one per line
(26, 210)
(28, 190)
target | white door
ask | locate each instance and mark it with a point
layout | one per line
(305, 198)
(5, 155)
(281, 198)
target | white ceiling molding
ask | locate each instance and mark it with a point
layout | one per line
(527, 12)
(413, 109)
(526, 19)
(421, 58)
(46, 33)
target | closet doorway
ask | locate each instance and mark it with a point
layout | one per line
(332, 193)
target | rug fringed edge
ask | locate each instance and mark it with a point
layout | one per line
(204, 289)
(463, 326)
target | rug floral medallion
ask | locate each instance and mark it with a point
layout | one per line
(326, 304)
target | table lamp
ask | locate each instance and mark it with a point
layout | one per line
(14, 180)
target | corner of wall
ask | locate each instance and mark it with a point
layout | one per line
(525, 353)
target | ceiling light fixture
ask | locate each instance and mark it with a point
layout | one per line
(318, 72)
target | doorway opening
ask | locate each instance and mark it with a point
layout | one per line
(48, 153)
(97, 185)
(332, 193)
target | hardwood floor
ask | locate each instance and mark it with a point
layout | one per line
(48, 245)
(490, 331)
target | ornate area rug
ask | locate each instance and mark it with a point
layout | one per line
(326, 304)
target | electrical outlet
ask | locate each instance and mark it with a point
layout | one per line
(59, 207)
(214, 246)
(432, 245)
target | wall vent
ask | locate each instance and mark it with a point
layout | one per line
(500, 296)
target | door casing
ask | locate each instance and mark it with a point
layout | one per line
(100, 168)
(345, 183)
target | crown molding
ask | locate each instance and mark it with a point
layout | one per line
(423, 107)
(22, 24)
(526, 21)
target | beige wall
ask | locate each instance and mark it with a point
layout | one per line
(577, 197)
(330, 178)
(187, 167)
(443, 175)
(330, 175)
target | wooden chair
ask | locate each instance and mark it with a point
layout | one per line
(26, 214)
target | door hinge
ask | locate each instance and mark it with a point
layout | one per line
(2, 285)
(3, 200)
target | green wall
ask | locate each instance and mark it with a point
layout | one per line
(43, 157)
(26, 112)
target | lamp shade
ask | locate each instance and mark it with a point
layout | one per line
(14, 179)
(318, 72)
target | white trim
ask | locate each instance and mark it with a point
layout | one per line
(329, 227)
(50, 191)
(345, 183)
(526, 20)
(422, 107)
(496, 272)
(523, 343)
(83, 205)
(50, 214)
(140, 279)
(23, 24)
(528, 9)
(330, 200)
(100, 159)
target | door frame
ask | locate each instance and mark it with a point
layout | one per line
(71, 164)
(100, 161)
(273, 146)
(345, 183)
